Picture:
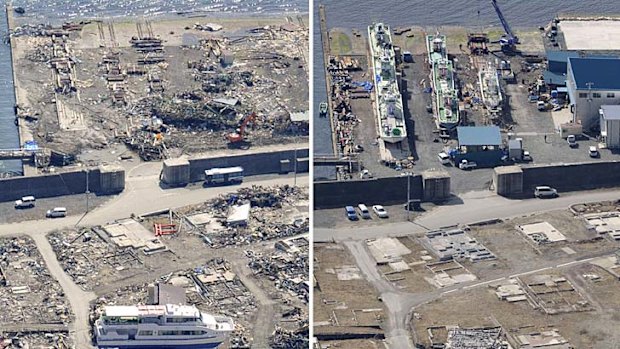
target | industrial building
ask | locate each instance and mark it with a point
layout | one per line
(610, 125)
(591, 83)
(480, 144)
(557, 66)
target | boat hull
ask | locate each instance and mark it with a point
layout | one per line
(160, 346)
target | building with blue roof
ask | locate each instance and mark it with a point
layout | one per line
(591, 83)
(557, 65)
(480, 144)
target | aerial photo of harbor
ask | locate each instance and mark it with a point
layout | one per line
(154, 174)
(466, 174)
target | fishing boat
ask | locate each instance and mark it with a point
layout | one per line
(388, 100)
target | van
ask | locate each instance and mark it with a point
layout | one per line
(25, 202)
(364, 212)
(56, 212)
(444, 158)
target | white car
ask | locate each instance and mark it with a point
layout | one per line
(380, 211)
(25, 202)
(593, 152)
(444, 158)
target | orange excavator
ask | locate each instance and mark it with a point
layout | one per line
(238, 139)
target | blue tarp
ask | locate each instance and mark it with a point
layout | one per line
(31, 145)
(367, 85)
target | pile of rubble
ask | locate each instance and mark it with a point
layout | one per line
(89, 259)
(273, 215)
(343, 89)
(15, 340)
(27, 288)
(288, 269)
(284, 339)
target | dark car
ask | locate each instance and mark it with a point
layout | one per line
(351, 214)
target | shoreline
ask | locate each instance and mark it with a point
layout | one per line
(121, 18)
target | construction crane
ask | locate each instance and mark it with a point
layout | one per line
(509, 40)
(238, 139)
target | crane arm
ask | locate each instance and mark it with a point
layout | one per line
(511, 37)
(245, 123)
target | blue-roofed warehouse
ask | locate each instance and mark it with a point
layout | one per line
(557, 65)
(480, 144)
(591, 83)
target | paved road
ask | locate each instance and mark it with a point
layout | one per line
(471, 207)
(142, 195)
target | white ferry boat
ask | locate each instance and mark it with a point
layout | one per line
(160, 327)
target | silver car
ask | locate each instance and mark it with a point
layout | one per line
(544, 191)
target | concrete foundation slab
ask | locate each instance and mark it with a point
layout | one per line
(591, 35)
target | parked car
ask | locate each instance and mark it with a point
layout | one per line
(56, 212)
(572, 141)
(25, 202)
(467, 165)
(364, 212)
(351, 214)
(443, 158)
(526, 156)
(593, 152)
(544, 191)
(542, 106)
(380, 211)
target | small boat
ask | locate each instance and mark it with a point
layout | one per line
(323, 109)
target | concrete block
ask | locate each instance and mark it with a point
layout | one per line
(436, 185)
(175, 172)
(508, 180)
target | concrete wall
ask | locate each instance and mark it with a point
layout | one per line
(572, 177)
(67, 183)
(384, 191)
(252, 163)
(563, 177)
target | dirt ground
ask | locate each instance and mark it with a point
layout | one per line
(481, 307)
(341, 293)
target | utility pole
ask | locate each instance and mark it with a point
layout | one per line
(295, 169)
(87, 189)
(408, 195)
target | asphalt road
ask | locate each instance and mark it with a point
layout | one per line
(469, 208)
(142, 195)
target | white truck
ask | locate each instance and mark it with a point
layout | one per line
(467, 165)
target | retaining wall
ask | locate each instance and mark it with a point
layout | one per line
(572, 177)
(252, 163)
(384, 191)
(59, 184)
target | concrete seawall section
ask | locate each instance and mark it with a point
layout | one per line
(512, 181)
(182, 171)
(102, 180)
(385, 191)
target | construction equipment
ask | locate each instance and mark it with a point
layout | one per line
(238, 138)
(508, 41)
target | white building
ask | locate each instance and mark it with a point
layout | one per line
(592, 82)
(610, 125)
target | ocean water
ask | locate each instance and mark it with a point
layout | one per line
(43, 11)
(9, 138)
(479, 13)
